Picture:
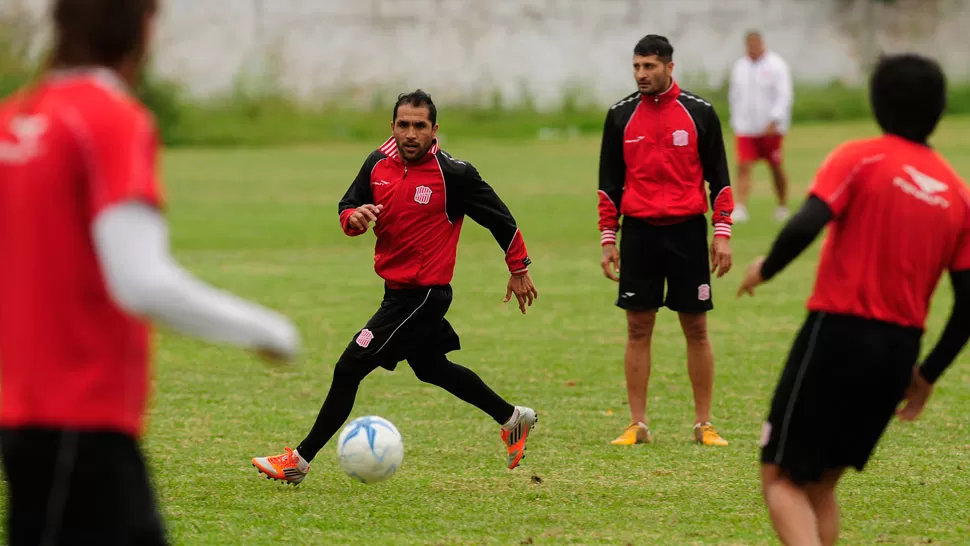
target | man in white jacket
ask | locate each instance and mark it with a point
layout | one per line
(760, 96)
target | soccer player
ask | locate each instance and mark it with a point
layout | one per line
(416, 195)
(86, 264)
(898, 216)
(659, 145)
(760, 97)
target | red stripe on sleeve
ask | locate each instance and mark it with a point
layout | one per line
(517, 257)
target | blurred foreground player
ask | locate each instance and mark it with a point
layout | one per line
(86, 262)
(899, 216)
(417, 196)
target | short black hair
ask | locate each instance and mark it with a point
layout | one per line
(655, 44)
(416, 99)
(907, 92)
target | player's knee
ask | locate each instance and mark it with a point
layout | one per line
(695, 327)
(639, 325)
(350, 370)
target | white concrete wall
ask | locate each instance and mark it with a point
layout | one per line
(469, 50)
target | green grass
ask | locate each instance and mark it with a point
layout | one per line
(263, 223)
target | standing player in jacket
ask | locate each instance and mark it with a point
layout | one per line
(417, 196)
(659, 145)
(85, 254)
(898, 217)
(760, 98)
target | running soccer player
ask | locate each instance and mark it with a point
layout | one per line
(86, 264)
(416, 195)
(899, 216)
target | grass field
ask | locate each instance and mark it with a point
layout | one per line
(263, 223)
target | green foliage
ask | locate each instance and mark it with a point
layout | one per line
(164, 100)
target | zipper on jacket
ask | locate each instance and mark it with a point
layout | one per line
(405, 172)
(663, 153)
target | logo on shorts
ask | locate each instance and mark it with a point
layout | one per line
(422, 195)
(680, 137)
(765, 433)
(365, 337)
(704, 292)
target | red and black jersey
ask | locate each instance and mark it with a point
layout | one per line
(657, 150)
(424, 205)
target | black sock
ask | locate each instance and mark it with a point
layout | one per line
(464, 384)
(347, 376)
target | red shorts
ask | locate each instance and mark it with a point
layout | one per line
(751, 149)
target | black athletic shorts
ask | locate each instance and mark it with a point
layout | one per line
(78, 488)
(410, 322)
(844, 379)
(677, 255)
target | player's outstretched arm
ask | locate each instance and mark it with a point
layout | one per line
(793, 239)
(142, 277)
(955, 335)
(484, 206)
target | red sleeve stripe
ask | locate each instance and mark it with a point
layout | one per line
(722, 230)
(516, 256)
(608, 237)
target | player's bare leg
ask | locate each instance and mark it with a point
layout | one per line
(636, 363)
(826, 506)
(790, 509)
(780, 180)
(700, 367)
(744, 192)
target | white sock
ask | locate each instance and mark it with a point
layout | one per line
(301, 463)
(514, 420)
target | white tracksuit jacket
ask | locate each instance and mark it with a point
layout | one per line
(760, 92)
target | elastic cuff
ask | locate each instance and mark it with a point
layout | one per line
(608, 237)
(722, 230)
(520, 271)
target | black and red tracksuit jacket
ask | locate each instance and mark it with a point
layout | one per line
(657, 151)
(424, 205)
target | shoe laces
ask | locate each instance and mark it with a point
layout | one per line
(284, 459)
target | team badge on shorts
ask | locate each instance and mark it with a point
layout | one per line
(765, 433)
(365, 337)
(422, 195)
(680, 137)
(704, 292)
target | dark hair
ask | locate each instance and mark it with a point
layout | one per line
(655, 44)
(417, 99)
(908, 95)
(98, 32)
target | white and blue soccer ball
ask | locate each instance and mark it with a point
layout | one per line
(370, 449)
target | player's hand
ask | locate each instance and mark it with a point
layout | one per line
(720, 256)
(524, 289)
(752, 277)
(611, 262)
(772, 129)
(917, 394)
(363, 216)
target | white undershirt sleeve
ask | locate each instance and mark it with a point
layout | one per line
(142, 277)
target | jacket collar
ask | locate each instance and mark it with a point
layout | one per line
(103, 76)
(664, 97)
(389, 148)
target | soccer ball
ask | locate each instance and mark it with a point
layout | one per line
(370, 449)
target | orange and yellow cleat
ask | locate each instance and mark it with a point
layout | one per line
(705, 434)
(636, 433)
